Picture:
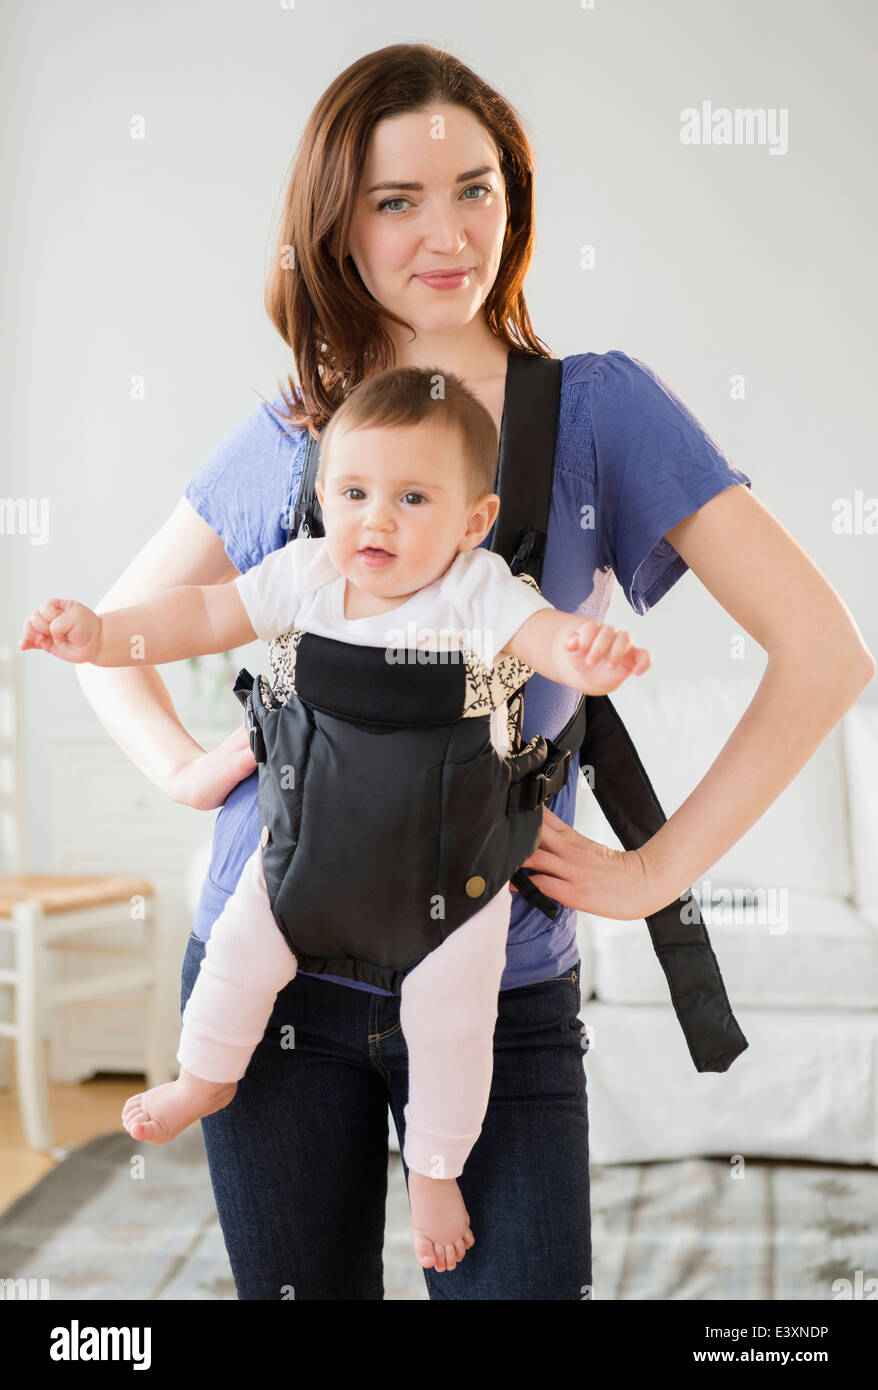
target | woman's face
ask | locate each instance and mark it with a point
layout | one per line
(446, 223)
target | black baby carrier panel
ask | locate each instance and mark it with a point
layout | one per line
(388, 818)
(385, 827)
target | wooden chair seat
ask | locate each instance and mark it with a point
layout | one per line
(59, 893)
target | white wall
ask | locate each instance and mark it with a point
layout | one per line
(125, 257)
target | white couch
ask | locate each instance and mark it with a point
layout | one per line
(800, 966)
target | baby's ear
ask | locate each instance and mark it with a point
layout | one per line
(488, 506)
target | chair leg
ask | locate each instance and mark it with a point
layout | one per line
(156, 1064)
(30, 1057)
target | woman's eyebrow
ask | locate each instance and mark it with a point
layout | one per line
(419, 187)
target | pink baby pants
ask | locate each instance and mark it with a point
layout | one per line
(448, 1009)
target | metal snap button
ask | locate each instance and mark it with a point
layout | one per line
(265, 836)
(475, 886)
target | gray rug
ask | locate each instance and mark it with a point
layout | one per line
(682, 1230)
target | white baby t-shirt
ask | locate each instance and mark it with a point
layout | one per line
(478, 603)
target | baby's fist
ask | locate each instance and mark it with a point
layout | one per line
(604, 656)
(63, 628)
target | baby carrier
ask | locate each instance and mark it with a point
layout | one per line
(388, 817)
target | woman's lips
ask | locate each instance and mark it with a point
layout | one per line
(445, 281)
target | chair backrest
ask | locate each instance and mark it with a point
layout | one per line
(13, 836)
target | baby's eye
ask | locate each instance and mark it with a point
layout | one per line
(418, 495)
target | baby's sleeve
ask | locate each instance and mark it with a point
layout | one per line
(494, 603)
(268, 592)
(273, 591)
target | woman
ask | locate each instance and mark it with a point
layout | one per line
(298, 1161)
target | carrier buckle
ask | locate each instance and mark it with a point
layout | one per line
(243, 685)
(536, 789)
(257, 742)
(531, 545)
(553, 776)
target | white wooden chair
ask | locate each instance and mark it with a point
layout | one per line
(46, 912)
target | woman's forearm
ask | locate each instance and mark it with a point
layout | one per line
(134, 706)
(791, 713)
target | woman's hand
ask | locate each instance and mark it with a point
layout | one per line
(64, 628)
(205, 779)
(581, 873)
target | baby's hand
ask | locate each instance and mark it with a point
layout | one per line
(63, 628)
(604, 656)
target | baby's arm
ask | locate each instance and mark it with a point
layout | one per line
(188, 620)
(578, 652)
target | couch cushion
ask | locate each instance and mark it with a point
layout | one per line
(791, 950)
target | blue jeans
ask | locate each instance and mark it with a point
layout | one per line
(298, 1160)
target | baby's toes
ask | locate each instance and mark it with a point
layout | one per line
(149, 1131)
(424, 1251)
(132, 1120)
(132, 1105)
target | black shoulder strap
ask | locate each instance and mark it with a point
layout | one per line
(626, 796)
(525, 477)
(527, 458)
(306, 516)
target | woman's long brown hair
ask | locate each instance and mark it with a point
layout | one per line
(314, 297)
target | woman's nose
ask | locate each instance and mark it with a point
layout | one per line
(444, 230)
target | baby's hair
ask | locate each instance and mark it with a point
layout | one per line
(411, 396)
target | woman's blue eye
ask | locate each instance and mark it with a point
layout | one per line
(469, 189)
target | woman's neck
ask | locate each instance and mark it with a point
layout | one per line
(475, 354)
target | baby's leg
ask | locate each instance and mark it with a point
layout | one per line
(246, 962)
(448, 1011)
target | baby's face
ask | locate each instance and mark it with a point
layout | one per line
(395, 507)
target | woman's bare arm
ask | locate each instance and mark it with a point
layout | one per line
(817, 665)
(133, 703)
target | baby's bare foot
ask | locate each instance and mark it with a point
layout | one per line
(158, 1115)
(440, 1222)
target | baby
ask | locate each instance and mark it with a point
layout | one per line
(404, 485)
